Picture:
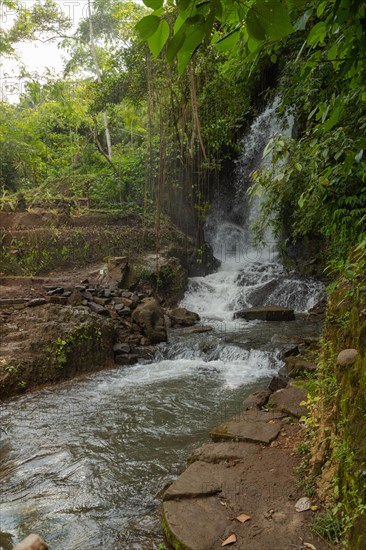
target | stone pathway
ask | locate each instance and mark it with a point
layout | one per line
(246, 471)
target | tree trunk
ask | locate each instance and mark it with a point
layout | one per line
(99, 78)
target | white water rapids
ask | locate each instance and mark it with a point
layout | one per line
(81, 463)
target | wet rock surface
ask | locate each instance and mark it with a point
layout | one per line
(266, 313)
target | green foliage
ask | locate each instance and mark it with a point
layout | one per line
(328, 526)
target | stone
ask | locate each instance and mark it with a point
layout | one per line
(257, 296)
(287, 400)
(87, 295)
(256, 400)
(56, 299)
(122, 310)
(268, 313)
(101, 301)
(57, 290)
(277, 383)
(75, 299)
(149, 316)
(319, 308)
(347, 357)
(37, 302)
(96, 308)
(224, 451)
(184, 317)
(291, 351)
(12, 301)
(121, 348)
(198, 329)
(186, 523)
(116, 272)
(200, 479)
(252, 425)
(303, 504)
(32, 542)
(297, 366)
(125, 360)
(145, 352)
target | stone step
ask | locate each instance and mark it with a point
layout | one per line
(253, 425)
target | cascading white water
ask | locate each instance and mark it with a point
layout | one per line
(249, 275)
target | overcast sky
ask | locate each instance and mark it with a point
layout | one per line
(35, 56)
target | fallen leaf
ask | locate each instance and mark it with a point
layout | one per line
(308, 546)
(229, 540)
(243, 518)
(314, 508)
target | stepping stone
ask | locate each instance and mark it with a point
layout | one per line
(200, 479)
(253, 425)
(224, 451)
(195, 524)
(288, 401)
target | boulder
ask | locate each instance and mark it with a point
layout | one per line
(258, 296)
(115, 273)
(150, 318)
(267, 313)
(75, 299)
(257, 400)
(37, 302)
(287, 400)
(347, 357)
(121, 348)
(277, 383)
(184, 317)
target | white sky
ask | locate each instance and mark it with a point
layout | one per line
(36, 56)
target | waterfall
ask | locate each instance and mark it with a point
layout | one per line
(249, 275)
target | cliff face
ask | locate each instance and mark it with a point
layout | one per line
(337, 426)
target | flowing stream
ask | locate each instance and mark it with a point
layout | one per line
(82, 463)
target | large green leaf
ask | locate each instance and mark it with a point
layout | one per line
(194, 37)
(158, 40)
(182, 5)
(153, 4)
(333, 119)
(268, 20)
(148, 26)
(175, 45)
(317, 34)
(228, 41)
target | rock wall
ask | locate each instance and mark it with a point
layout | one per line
(337, 425)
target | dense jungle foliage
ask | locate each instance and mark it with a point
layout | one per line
(128, 129)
